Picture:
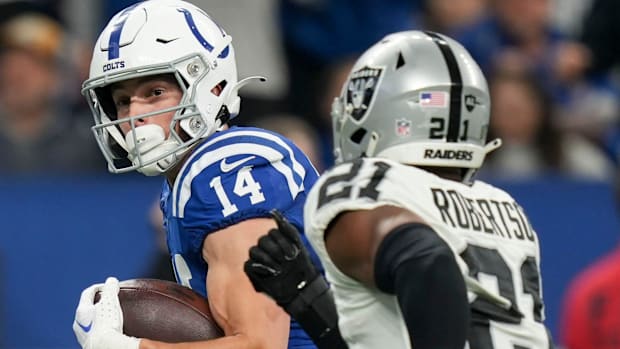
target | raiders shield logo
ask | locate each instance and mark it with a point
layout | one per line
(361, 90)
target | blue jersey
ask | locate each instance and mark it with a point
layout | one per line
(234, 175)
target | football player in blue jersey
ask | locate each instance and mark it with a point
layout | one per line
(162, 88)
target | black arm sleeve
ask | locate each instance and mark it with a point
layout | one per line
(601, 33)
(315, 311)
(416, 265)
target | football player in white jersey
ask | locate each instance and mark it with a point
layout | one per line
(418, 254)
(162, 87)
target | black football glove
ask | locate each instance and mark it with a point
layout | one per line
(280, 265)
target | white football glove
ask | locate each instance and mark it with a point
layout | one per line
(100, 326)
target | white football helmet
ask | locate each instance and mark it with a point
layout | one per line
(162, 37)
(417, 98)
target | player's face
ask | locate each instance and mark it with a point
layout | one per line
(145, 95)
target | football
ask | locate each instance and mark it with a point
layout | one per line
(165, 311)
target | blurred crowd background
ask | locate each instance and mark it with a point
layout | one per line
(552, 68)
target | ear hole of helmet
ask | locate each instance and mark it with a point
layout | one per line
(217, 89)
(400, 60)
(358, 135)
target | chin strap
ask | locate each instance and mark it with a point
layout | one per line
(372, 144)
(492, 145)
(246, 81)
(489, 147)
(235, 104)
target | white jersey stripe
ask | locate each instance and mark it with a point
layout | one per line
(182, 187)
(297, 166)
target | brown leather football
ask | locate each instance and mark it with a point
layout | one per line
(165, 311)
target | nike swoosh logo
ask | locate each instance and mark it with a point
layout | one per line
(225, 167)
(85, 328)
(165, 41)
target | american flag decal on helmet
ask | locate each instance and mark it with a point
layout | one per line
(438, 99)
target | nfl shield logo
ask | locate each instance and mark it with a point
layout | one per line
(403, 127)
(361, 90)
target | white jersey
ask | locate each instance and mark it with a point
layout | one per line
(494, 244)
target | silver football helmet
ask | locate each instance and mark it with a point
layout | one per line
(162, 37)
(417, 98)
